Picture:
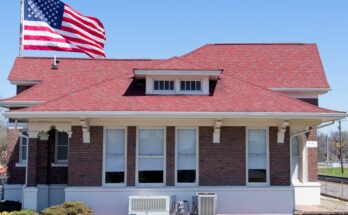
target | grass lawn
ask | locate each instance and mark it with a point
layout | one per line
(333, 172)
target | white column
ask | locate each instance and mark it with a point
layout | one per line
(30, 197)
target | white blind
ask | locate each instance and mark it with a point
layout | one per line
(151, 142)
(186, 149)
(148, 164)
(257, 148)
(295, 146)
(115, 150)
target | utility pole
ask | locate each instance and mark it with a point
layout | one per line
(327, 150)
(341, 148)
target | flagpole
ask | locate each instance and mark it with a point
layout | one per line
(21, 28)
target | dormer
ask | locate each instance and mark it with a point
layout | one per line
(177, 77)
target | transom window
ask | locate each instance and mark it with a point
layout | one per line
(115, 159)
(62, 147)
(257, 156)
(23, 145)
(150, 156)
(163, 85)
(190, 86)
(186, 153)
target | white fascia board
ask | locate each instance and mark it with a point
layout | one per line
(314, 91)
(145, 114)
(8, 104)
(24, 83)
(142, 72)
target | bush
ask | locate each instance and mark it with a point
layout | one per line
(23, 212)
(68, 208)
(9, 206)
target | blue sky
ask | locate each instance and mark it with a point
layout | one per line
(161, 29)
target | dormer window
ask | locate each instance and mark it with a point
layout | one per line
(190, 85)
(163, 85)
(177, 82)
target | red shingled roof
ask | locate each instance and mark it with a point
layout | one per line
(108, 85)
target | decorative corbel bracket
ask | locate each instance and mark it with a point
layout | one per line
(217, 131)
(281, 131)
(85, 131)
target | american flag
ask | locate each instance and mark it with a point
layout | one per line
(53, 25)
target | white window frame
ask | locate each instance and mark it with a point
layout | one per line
(137, 183)
(104, 184)
(197, 158)
(21, 161)
(267, 183)
(191, 91)
(56, 161)
(163, 91)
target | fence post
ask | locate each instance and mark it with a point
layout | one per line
(342, 188)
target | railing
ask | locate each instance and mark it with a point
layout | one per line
(334, 186)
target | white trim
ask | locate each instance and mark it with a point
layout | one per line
(267, 183)
(125, 158)
(137, 184)
(285, 89)
(20, 103)
(21, 164)
(59, 165)
(24, 82)
(19, 126)
(143, 72)
(177, 184)
(167, 114)
(56, 161)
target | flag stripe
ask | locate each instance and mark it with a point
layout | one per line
(71, 25)
(95, 22)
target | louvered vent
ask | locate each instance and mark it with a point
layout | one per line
(155, 205)
(206, 203)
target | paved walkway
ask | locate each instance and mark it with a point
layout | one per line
(328, 206)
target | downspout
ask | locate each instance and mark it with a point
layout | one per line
(298, 134)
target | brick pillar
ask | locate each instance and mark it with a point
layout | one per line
(312, 154)
(32, 162)
(170, 158)
(131, 155)
(86, 159)
(279, 157)
(17, 174)
(42, 166)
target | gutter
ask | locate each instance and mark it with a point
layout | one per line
(8, 104)
(151, 114)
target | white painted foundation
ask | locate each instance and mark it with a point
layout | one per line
(230, 200)
(307, 193)
(30, 198)
(13, 192)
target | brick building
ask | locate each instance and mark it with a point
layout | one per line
(238, 120)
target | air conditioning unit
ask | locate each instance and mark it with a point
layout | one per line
(149, 205)
(206, 203)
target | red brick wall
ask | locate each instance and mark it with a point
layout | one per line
(279, 154)
(32, 162)
(17, 174)
(312, 158)
(222, 164)
(131, 155)
(170, 158)
(86, 159)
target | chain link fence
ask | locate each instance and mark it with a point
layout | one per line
(333, 186)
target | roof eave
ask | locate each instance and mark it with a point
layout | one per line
(145, 114)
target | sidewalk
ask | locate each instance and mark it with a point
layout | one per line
(328, 206)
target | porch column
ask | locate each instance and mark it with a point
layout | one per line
(312, 158)
(131, 155)
(170, 158)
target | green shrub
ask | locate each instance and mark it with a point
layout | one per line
(9, 206)
(68, 208)
(24, 212)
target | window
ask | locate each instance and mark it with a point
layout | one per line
(164, 85)
(115, 159)
(186, 153)
(257, 156)
(23, 145)
(62, 147)
(295, 158)
(190, 85)
(150, 161)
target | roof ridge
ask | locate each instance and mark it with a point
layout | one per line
(91, 59)
(265, 43)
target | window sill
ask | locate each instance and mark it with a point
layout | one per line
(21, 165)
(59, 164)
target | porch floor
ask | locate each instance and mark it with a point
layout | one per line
(328, 206)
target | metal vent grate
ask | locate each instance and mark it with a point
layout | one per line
(206, 203)
(149, 204)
